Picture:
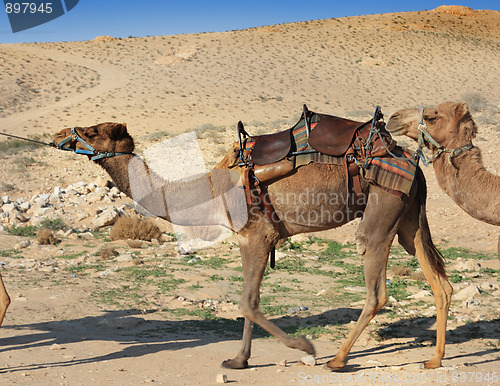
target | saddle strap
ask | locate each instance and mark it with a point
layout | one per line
(351, 171)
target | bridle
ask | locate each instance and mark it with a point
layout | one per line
(90, 151)
(424, 135)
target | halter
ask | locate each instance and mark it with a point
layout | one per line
(424, 135)
(96, 155)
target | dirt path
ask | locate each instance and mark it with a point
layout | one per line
(110, 77)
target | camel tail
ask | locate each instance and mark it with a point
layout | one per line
(434, 257)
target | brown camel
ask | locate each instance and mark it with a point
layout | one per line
(383, 217)
(457, 163)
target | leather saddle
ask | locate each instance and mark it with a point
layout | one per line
(331, 136)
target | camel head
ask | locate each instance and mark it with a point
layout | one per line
(106, 137)
(447, 123)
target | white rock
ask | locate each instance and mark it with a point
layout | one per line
(43, 212)
(42, 201)
(467, 265)
(25, 206)
(421, 295)
(114, 192)
(221, 378)
(487, 286)
(108, 217)
(102, 190)
(309, 360)
(93, 197)
(5, 199)
(23, 244)
(466, 293)
(8, 207)
(125, 258)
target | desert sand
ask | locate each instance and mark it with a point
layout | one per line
(77, 317)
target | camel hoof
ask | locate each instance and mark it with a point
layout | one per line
(305, 345)
(432, 364)
(234, 364)
(335, 364)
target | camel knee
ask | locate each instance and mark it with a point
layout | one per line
(361, 242)
(248, 310)
(375, 303)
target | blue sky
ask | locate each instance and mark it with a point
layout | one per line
(123, 18)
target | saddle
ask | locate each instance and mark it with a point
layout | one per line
(314, 138)
(326, 134)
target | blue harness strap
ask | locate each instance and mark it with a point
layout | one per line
(97, 155)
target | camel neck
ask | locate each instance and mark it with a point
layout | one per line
(184, 202)
(465, 179)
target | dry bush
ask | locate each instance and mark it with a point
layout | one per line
(107, 253)
(134, 228)
(418, 276)
(398, 270)
(45, 237)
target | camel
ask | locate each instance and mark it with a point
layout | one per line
(383, 217)
(456, 161)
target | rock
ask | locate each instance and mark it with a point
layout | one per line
(221, 378)
(93, 197)
(166, 238)
(7, 208)
(322, 292)
(107, 217)
(81, 187)
(100, 181)
(81, 216)
(467, 265)
(20, 217)
(471, 303)
(5, 199)
(42, 200)
(114, 192)
(25, 206)
(125, 258)
(102, 190)
(22, 244)
(487, 286)
(309, 360)
(43, 212)
(283, 363)
(467, 292)
(134, 243)
(421, 295)
(55, 346)
(57, 191)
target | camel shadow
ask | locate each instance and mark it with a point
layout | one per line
(144, 337)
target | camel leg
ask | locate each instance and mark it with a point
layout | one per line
(254, 254)
(4, 300)
(373, 239)
(410, 237)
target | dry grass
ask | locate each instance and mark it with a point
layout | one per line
(108, 253)
(134, 228)
(45, 237)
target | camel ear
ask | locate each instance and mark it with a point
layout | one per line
(461, 110)
(119, 130)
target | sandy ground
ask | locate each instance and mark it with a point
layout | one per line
(59, 330)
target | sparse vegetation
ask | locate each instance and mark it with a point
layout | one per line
(135, 228)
